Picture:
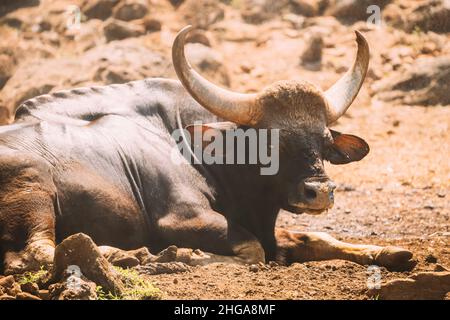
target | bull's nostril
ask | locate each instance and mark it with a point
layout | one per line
(310, 194)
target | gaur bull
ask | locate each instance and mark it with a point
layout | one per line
(97, 160)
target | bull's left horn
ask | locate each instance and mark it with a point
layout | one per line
(341, 95)
(236, 107)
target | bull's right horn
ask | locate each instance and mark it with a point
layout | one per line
(341, 95)
(236, 107)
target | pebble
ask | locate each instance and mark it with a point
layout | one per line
(254, 268)
(430, 258)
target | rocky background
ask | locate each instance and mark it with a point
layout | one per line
(397, 195)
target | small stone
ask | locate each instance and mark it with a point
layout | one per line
(44, 294)
(431, 258)
(273, 264)
(254, 268)
(118, 30)
(152, 24)
(347, 211)
(175, 281)
(313, 51)
(30, 287)
(441, 194)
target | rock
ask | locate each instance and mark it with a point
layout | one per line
(167, 255)
(201, 13)
(421, 286)
(253, 268)
(4, 115)
(99, 9)
(7, 66)
(307, 8)
(142, 254)
(130, 10)
(118, 257)
(176, 3)
(152, 24)
(7, 281)
(209, 62)
(44, 294)
(30, 287)
(431, 258)
(73, 288)
(118, 30)
(116, 62)
(9, 286)
(258, 11)
(313, 51)
(7, 297)
(161, 268)
(426, 82)
(426, 16)
(79, 252)
(26, 296)
(353, 10)
(198, 36)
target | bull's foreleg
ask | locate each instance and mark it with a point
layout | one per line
(208, 237)
(317, 246)
(27, 220)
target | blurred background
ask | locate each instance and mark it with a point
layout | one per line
(398, 191)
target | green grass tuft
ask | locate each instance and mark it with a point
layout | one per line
(136, 287)
(33, 277)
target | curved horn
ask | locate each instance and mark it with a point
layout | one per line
(341, 95)
(236, 107)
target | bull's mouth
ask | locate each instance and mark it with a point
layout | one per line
(300, 209)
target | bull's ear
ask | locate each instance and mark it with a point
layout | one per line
(207, 133)
(346, 148)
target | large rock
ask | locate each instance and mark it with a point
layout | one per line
(130, 10)
(312, 55)
(116, 62)
(202, 13)
(9, 287)
(98, 9)
(7, 65)
(258, 11)
(353, 10)
(73, 286)
(428, 16)
(426, 82)
(118, 30)
(79, 256)
(307, 8)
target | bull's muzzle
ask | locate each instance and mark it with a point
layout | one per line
(314, 195)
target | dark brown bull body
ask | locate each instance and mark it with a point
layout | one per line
(98, 161)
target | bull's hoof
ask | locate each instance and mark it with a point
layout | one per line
(35, 256)
(395, 259)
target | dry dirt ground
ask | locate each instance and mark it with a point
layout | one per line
(398, 195)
